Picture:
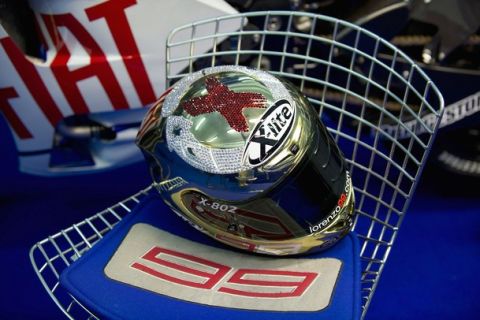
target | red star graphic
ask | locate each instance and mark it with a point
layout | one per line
(230, 104)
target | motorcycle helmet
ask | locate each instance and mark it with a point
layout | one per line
(242, 155)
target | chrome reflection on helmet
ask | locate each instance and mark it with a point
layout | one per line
(243, 156)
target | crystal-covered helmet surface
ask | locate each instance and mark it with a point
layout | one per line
(244, 157)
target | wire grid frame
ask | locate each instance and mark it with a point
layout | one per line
(54, 254)
(339, 67)
(357, 93)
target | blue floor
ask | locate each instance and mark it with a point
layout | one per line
(431, 272)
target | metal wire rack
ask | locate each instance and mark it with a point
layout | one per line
(55, 253)
(365, 101)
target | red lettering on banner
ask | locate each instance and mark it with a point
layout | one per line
(30, 77)
(152, 256)
(300, 286)
(12, 118)
(114, 14)
(98, 67)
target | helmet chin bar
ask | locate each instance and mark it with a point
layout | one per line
(279, 240)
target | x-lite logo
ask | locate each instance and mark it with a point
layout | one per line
(270, 132)
(192, 271)
(264, 143)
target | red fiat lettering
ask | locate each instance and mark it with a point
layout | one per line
(114, 14)
(98, 67)
(26, 70)
(12, 118)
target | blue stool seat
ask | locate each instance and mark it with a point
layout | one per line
(154, 265)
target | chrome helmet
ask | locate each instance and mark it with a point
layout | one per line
(244, 157)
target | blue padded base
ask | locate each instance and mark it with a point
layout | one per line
(86, 280)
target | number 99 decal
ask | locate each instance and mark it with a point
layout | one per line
(252, 280)
(158, 261)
